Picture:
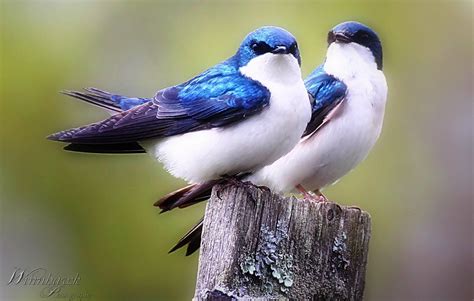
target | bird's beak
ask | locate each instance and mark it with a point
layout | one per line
(280, 50)
(342, 37)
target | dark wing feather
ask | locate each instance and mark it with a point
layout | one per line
(125, 127)
(328, 93)
(120, 148)
(218, 97)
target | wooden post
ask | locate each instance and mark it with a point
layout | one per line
(260, 246)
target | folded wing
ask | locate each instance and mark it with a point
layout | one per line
(328, 93)
(216, 98)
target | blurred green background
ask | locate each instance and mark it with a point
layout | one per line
(90, 214)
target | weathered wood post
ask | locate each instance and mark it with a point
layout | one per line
(257, 245)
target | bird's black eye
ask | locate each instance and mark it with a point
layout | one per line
(362, 35)
(331, 37)
(260, 47)
(293, 48)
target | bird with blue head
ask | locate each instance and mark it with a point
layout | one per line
(349, 91)
(235, 117)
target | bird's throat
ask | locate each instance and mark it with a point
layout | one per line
(348, 61)
(273, 69)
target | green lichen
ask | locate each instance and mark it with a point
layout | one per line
(268, 263)
(248, 266)
(339, 249)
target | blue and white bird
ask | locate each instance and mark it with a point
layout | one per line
(349, 91)
(235, 117)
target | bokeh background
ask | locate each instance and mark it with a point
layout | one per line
(90, 214)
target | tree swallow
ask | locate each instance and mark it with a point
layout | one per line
(349, 91)
(235, 117)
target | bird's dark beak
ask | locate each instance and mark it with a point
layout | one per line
(342, 38)
(339, 37)
(280, 50)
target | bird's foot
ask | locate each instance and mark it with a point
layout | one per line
(322, 198)
(308, 196)
(264, 188)
(234, 181)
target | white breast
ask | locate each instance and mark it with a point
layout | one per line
(250, 144)
(344, 141)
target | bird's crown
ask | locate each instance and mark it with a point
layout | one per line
(267, 39)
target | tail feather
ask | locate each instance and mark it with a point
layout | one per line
(106, 100)
(192, 194)
(96, 97)
(192, 239)
(118, 105)
(187, 196)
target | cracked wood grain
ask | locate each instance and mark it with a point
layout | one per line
(260, 246)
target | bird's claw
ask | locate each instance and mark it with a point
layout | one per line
(264, 188)
(231, 180)
(355, 207)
